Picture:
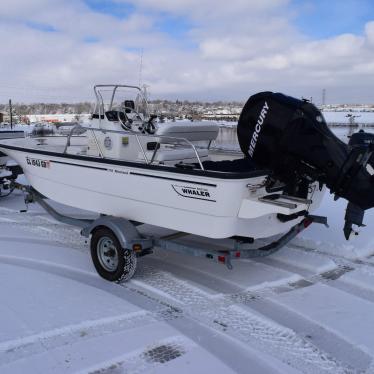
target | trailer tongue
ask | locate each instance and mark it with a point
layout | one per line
(291, 138)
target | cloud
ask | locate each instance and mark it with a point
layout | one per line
(369, 31)
(56, 50)
(210, 9)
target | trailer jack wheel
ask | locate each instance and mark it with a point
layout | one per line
(112, 262)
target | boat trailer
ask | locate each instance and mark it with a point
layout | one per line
(116, 242)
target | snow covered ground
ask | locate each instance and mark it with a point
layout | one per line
(227, 137)
(331, 117)
(307, 309)
(342, 116)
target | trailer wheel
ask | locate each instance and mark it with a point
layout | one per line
(112, 262)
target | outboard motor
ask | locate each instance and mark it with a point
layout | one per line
(354, 215)
(291, 138)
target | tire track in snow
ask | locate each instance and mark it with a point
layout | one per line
(340, 259)
(144, 360)
(30, 345)
(43, 227)
(343, 350)
(240, 323)
(345, 277)
(345, 266)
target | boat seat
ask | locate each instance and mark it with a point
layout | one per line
(129, 104)
(192, 131)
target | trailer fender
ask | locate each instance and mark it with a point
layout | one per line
(123, 229)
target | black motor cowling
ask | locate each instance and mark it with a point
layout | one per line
(291, 138)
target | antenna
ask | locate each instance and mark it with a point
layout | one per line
(145, 91)
(11, 113)
(141, 67)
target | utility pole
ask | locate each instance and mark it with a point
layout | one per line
(11, 113)
(324, 97)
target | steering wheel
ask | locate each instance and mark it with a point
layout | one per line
(146, 127)
(127, 124)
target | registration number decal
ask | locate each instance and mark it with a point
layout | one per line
(38, 163)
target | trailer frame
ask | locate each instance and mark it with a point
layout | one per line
(135, 243)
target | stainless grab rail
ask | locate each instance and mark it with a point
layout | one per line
(137, 135)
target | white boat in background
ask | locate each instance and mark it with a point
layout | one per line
(7, 133)
(126, 167)
(8, 169)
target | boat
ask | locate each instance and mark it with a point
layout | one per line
(6, 133)
(9, 171)
(128, 165)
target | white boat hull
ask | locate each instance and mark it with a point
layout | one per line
(210, 207)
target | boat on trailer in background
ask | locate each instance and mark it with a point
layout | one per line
(9, 170)
(133, 171)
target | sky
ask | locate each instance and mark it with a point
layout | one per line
(56, 50)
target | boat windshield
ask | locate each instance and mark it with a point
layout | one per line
(129, 99)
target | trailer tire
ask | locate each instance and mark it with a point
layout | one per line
(111, 261)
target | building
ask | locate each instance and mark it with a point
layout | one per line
(2, 116)
(57, 118)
